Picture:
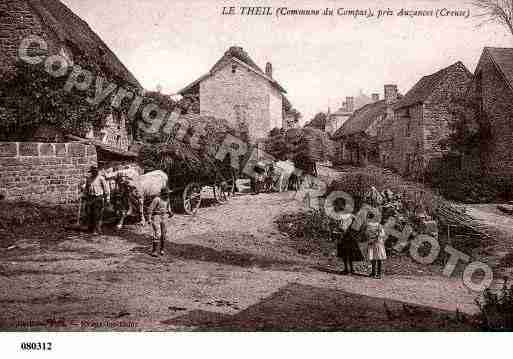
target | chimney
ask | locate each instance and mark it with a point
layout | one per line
(269, 69)
(349, 104)
(375, 97)
(390, 94)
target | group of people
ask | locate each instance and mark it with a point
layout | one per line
(347, 237)
(97, 195)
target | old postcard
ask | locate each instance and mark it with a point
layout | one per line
(215, 166)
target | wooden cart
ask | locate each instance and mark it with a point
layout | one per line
(187, 192)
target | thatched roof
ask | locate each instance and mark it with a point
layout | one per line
(104, 148)
(61, 28)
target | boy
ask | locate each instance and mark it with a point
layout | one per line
(160, 206)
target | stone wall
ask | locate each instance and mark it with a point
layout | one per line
(497, 102)
(407, 139)
(44, 172)
(437, 113)
(418, 129)
(275, 107)
(240, 96)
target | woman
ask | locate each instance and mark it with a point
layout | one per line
(375, 236)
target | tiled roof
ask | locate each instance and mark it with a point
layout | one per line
(425, 87)
(362, 119)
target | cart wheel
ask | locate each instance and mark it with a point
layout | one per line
(191, 198)
(221, 192)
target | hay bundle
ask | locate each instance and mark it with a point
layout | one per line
(193, 156)
(214, 133)
(178, 160)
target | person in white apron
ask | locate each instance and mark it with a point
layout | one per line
(376, 253)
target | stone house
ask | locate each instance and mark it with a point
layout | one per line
(357, 138)
(66, 34)
(237, 90)
(493, 86)
(410, 142)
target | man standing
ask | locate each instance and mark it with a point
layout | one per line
(98, 194)
(160, 206)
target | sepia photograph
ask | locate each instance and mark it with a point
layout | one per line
(284, 166)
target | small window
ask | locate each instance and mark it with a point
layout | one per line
(408, 127)
(234, 68)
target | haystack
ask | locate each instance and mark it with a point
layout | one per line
(184, 161)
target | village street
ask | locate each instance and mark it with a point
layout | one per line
(227, 268)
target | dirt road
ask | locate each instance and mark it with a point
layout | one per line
(227, 268)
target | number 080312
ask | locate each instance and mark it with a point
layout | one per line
(36, 346)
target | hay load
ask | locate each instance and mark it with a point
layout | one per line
(203, 134)
(193, 156)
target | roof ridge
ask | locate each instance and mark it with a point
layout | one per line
(443, 69)
(498, 67)
(425, 86)
(498, 48)
(60, 21)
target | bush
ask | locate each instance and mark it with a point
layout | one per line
(311, 230)
(496, 309)
(469, 187)
(357, 184)
(19, 214)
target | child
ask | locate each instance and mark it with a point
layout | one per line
(375, 235)
(346, 238)
(160, 206)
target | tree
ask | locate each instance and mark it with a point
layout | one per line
(496, 11)
(164, 102)
(468, 128)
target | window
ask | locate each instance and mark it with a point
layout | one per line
(234, 68)
(408, 123)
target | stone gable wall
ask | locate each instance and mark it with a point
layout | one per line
(275, 108)
(44, 172)
(242, 96)
(437, 111)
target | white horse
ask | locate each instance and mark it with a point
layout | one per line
(134, 191)
(284, 169)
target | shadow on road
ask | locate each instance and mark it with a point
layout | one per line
(297, 307)
(189, 251)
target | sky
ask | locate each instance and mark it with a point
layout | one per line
(319, 60)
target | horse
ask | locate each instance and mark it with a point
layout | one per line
(132, 193)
